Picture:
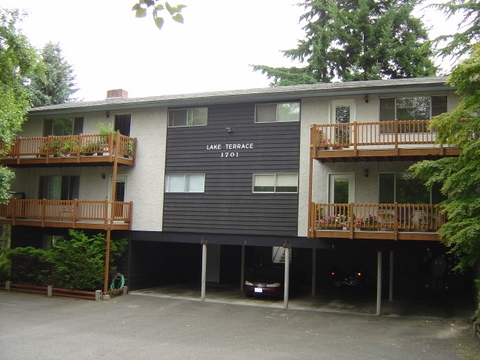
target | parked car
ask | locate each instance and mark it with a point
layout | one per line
(268, 281)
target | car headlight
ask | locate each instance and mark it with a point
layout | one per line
(273, 285)
(248, 283)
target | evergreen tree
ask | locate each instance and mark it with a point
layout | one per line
(357, 40)
(460, 43)
(57, 84)
(460, 177)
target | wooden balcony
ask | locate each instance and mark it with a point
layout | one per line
(377, 141)
(70, 150)
(72, 214)
(375, 221)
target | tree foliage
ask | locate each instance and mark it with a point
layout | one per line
(357, 40)
(74, 263)
(142, 6)
(57, 84)
(460, 177)
(460, 43)
(80, 260)
(17, 64)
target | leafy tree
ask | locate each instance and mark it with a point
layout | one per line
(357, 40)
(17, 63)
(142, 6)
(460, 177)
(460, 43)
(57, 84)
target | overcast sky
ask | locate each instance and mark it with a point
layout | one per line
(110, 49)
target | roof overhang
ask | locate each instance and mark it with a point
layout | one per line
(281, 93)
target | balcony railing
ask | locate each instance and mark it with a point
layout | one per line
(379, 138)
(83, 148)
(86, 214)
(377, 221)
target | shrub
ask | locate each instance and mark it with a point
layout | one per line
(29, 265)
(76, 263)
(80, 260)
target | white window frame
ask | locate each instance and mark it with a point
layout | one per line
(277, 119)
(273, 180)
(187, 186)
(189, 118)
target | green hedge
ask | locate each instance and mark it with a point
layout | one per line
(74, 263)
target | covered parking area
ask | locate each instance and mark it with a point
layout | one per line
(213, 268)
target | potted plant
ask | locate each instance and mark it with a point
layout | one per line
(105, 132)
(70, 146)
(90, 148)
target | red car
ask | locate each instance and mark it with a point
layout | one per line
(268, 281)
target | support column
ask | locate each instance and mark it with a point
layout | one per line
(379, 283)
(286, 280)
(390, 279)
(314, 271)
(204, 271)
(242, 268)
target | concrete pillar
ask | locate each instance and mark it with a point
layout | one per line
(314, 272)
(242, 268)
(390, 279)
(379, 283)
(49, 290)
(204, 271)
(286, 281)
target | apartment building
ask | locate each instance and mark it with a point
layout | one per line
(316, 172)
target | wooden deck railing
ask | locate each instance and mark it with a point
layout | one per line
(400, 221)
(69, 149)
(90, 214)
(393, 133)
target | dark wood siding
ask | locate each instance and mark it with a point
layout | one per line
(228, 204)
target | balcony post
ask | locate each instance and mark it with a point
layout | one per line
(14, 210)
(43, 212)
(74, 213)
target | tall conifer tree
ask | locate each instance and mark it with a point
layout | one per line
(350, 40)
(57, 84)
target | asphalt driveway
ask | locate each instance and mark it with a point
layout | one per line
(146, 327)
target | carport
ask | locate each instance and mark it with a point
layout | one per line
(200, 251)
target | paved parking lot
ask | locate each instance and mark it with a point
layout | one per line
(150, 327)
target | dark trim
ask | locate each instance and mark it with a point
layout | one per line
(230, 239)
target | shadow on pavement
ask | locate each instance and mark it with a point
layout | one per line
(441, 304)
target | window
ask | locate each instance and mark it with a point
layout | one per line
(63, 126)
(277, 112)
(270, 183)
(188, 117)
(404, 189)
(59, 187)
(185, 183)
(411, 108)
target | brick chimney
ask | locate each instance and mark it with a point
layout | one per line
(117, 94)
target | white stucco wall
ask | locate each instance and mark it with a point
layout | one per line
(318, 111)
(145, 183)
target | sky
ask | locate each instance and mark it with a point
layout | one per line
(109, 48)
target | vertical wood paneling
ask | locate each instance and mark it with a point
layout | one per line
(228, 204)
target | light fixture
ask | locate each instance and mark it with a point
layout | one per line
(365, 172)
(228, 130)
(107, 114)
(366, 99)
